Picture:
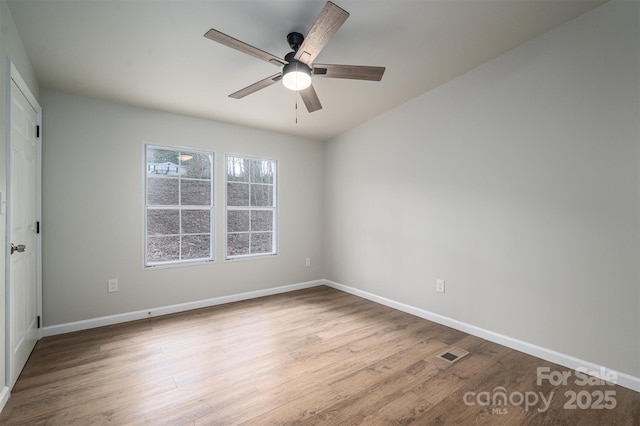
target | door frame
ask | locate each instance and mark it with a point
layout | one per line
(14, 75)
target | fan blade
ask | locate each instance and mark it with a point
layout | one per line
(256, 86)
(243, 47)
(310, 99)
(355, 72)
(329, 21)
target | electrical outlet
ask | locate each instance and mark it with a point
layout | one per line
(113, 286)
(440, 286)
(307, 262)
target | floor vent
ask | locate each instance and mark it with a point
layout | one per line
(453, 354)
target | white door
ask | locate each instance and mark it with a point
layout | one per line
(22, 253)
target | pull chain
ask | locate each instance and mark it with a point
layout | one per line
(296, 109)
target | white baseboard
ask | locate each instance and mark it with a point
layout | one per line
(171, 309)
(626, 380)
(4, 397)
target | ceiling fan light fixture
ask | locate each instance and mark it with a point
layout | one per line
(296, 76)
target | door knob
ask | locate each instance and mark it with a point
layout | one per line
(19, 248)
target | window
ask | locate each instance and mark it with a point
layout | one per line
(178, 206)
(251, 207)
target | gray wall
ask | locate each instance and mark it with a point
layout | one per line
(11, 49)
(517, 183)
(93, 209)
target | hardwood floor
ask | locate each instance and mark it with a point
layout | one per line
(316, 356)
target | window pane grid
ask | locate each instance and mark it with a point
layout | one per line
(179, 206)
(251, 206)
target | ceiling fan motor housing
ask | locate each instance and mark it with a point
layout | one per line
(294, 64)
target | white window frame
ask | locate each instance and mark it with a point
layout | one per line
(274, 208)
(147, 207)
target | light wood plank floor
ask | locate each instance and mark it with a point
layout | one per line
(316, 356)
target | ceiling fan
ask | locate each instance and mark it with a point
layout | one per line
(297, 66)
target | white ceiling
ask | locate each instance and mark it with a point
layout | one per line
(152, 53)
